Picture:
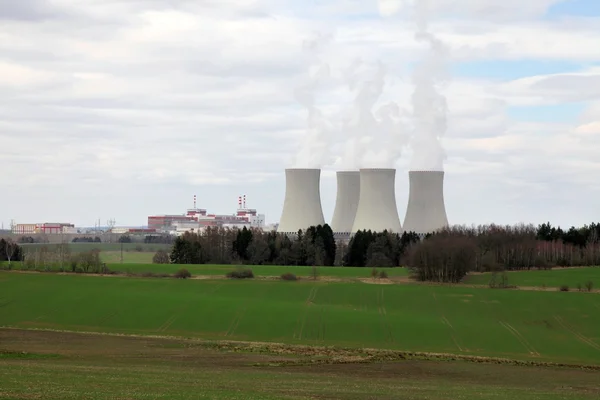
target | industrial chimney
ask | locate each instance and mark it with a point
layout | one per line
(346, 203)
(302, 205)
(426, 212)
(377, 209)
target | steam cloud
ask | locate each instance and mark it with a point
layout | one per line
(370, 139)
(316, 143)
(429, 106)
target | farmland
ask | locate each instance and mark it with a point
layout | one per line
(272, 339)
(110, 253)
(549, 326)
(552, 278)
(63, 365)
(259, 270)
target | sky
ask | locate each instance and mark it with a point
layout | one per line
(120, 109)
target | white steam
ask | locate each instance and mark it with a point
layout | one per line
(316, 143)
(371, 137)
(429, 106)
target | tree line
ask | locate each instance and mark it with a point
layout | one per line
(445, 256)
(217, 245)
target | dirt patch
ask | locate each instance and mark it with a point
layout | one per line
(55, 341)
(376, 281)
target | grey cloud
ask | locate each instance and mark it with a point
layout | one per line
(571, 87)
(28, 10)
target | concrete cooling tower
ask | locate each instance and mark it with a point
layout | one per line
(346, 203)
(426, 211)
(377, 209)
(302, 205)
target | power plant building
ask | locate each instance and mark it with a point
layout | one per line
(426, 211)
(197, 219)
(377, 210)
(302, 204)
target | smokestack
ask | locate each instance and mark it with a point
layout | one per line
(346, 203)
(377, 210)
(302, 205)
(426, 211)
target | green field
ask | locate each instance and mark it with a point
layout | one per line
(550, 278)
(532, 325)
(259, 270)
(63, 366)
(110, 253)
(140, 267)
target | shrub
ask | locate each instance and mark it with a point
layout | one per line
(241, 273)
(182, 274)
(73, 262)
(564, 288)
(161, 257)
(580, 287)
(589, 285)
(374, 273)
(288, 276)
(139, 248)
(383, 274)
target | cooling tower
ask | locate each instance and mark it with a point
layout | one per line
(346, 203)
(302, 205)
(426, 211)
(377, 209)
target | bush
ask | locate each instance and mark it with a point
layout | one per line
(288, 276)
(161, 257)
(383, 275)
(580, 287)
(374, 273)
(589, 285)
(564, 288)
(499, 280)
(241, 273)
(182, 274)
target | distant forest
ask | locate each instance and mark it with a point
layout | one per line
(446, 256)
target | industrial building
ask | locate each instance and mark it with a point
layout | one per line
(43, 228)
(426, 211)
(302, 204)
(196, 219)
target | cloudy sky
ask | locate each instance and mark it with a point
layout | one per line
(125, 108)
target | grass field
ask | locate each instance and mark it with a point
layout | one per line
(549, 278)
(259, 270)
(139, 266)
(551, 326)
(64, 366)
(110, 253)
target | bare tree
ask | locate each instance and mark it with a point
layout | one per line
(10, 250)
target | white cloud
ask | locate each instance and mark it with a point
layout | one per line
(102, 102)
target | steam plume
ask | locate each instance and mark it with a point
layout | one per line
(370, 140)
(429, 106)
(315, 144)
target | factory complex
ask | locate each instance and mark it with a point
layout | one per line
(197, 219)
(366, 200)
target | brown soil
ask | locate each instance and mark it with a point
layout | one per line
(273, 354)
